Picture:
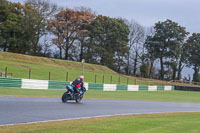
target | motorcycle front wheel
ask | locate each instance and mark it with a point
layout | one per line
(79, 100)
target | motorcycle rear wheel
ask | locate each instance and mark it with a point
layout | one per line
(65, 97)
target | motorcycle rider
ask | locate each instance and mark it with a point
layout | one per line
(77, 83)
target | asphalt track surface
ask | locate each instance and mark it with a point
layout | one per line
(17, 110)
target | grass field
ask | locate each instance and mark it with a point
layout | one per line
(19, 66)
(171, 96)
(146, 123)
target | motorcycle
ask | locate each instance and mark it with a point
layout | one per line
(70, 94)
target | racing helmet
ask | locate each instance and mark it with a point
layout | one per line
(81, 77)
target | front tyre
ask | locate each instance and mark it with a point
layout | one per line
(79, 100)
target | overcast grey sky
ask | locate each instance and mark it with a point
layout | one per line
(146, 12)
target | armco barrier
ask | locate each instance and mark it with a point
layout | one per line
(34, 84)
(161, 88)
(109, 87)
(143, 88)
(45, 84)
(122, 87)
(187, 88)
(58, 84)
(92, 86)
(10, 83)
(133, 87)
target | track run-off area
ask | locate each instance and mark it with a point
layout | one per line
(20, 110)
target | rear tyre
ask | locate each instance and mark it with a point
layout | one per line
(65, 97)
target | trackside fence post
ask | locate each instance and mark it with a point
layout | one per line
(95, 79)
(6, 72)
(49, 75)
(29, 74)
(67, 76)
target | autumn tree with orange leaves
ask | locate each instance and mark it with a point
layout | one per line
(66, 26)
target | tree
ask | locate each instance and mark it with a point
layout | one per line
(182, 59)
(136, 38)
(68, 25)
(151, 55)
(23, 25)
(83, 37)
(109, 37)
(193, 54)
(166, 41)
(42, 11)
(4, 12)
(144, 70)
(55, 27)
(45, 47)
(14, 34)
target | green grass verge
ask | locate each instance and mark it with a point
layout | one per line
(171, 96)
(147, 123)
(19, 66)
(57, 72)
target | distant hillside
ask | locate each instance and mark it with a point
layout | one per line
(52, 62)
(19, 65)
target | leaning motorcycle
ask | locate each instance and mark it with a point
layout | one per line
(70, 94)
